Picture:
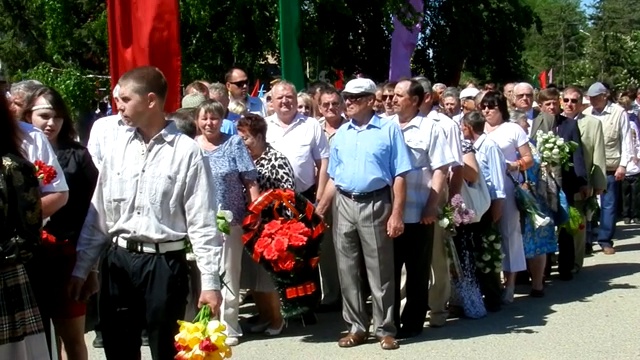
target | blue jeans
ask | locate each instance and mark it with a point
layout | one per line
(608, 206)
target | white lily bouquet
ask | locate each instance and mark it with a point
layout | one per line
(554, 151)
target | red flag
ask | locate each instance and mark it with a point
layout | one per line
(339, 84)
(542, 77)
(256, 89)
(146, 32)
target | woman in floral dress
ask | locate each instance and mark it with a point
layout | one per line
(21, 332)
(540, 241)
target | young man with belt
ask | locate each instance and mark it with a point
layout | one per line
(154, 190)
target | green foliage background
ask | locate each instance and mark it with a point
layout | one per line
(61, 41)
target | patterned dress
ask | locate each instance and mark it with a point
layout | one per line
(542, 240)
(21, 330)
(274, 172)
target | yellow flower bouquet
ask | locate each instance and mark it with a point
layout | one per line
(202, 339)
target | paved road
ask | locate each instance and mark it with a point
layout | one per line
(595, 316)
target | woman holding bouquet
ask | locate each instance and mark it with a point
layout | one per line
(234, 176)
(274, 172)
(51, 269)
(538, 240)
(22, 335)
(513, 141)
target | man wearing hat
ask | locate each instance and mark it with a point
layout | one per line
(367, 165)
(618, 153)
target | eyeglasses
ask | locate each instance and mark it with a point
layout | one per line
(488, 106)
(268, 98)
(330, 104)
(240, 83)
(520, 96)
(573, 101)
(354, 97)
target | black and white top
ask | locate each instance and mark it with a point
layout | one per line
(274, 171)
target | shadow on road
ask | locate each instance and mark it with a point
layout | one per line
(520, 317)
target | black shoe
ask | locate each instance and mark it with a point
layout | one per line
(407, 333)
(565, 276)
(145, 340)
(627, 221)
(97, 342)
(536, 293)
(588, 249)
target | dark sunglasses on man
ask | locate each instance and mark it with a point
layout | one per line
(240, 83)
(573, 101)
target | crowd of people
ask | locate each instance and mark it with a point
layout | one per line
(381, 163)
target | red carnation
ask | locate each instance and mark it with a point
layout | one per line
(280, 243)
(297, 240)
(45, 173)
(262, 243)
(271, 227)
(297, 227)
(207, 346)
(270, 253)
(286, 262)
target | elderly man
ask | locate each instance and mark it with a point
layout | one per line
(367, 188)
(440, 290)
(592, 139)
(618, 153)
(154, 190)
(430, 159)
(507, 91)
(451, 104)
(19, 94)
(237, 84)
(523, 100)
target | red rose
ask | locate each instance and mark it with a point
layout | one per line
(297, 240)
(262, 243)
(280, 243)
(286, 262)
(297, 227)
(207, 346)
(45, 173)
(271, 227)
(270, 253)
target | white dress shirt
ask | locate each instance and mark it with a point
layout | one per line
(154, 193)
(426, 143)
(452, 133)
(303, 143)
(104, 133)
(37, 147)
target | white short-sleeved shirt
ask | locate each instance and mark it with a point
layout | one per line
(37, 147)
(451, 132)
(509, 137)
(425, 142)
(302, 143)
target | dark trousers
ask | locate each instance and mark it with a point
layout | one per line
(489, 283)
(566, 246)
(413, 249)
(142, 291)
(631, 197)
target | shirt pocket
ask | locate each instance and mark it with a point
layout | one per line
(418, 153)
(611, 132)
(161, 189)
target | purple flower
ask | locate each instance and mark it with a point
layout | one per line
(457, 201)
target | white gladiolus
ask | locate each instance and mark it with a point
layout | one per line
(549, 146)
(443, 223)
(546, 154)
(486, 257)
(493, 237)
(497, 246)
(540, 221)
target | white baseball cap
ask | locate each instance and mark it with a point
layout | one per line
(469, 93)
(360, 86)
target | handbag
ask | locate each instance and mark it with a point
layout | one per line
(476, 197)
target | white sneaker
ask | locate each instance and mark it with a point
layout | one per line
(232, 341)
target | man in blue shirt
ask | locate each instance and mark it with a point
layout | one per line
(493, 167)
(367, 164)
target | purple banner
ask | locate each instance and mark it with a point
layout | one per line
(403, 44)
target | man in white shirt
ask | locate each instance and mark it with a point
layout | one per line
(618, 153)
(523, 100)
(104, 133)
(440, 290)
(300, 139)
(430, 159)
(154, 190)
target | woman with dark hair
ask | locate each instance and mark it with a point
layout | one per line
(514, 143)
(22, 334)
(53, 264)
(274, 172)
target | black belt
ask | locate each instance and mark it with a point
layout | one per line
(358, 196)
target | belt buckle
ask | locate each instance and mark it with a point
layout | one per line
(133, 246)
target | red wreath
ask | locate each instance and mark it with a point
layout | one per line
(45, 173)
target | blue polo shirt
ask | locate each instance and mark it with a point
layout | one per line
(368, 158)
(228, 127)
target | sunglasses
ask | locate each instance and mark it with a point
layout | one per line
(520, 96)
(355, 97)
(240, 83)
(488, 106)
(387, 97)
(573, 101)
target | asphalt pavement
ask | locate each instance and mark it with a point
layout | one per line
(595, 316)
